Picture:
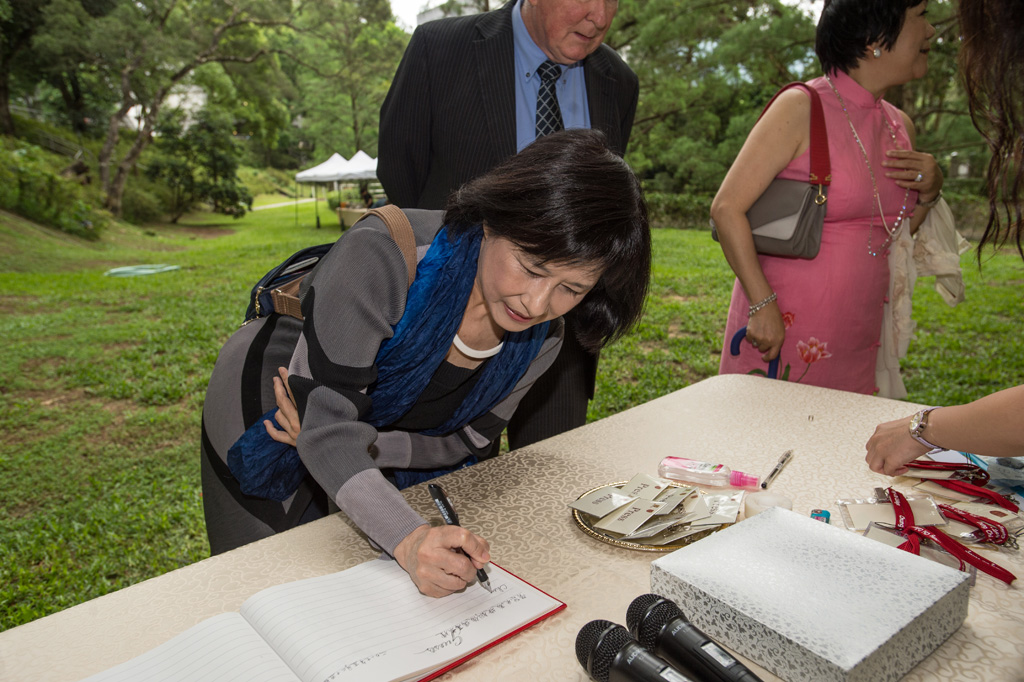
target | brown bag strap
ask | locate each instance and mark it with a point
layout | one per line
(286, 296)
(286, 299)
(401, 231)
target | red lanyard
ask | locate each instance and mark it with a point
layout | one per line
(976, 476)
(905, 524)
(977, 491)
(972, 472)
(993, 531)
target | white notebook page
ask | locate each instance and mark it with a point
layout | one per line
(224, 648)
(370, 623)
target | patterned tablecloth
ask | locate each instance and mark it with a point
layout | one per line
(518, 502)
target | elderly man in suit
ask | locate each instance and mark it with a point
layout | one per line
(472, 91)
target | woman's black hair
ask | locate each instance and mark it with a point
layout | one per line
(847, 27)
(568, 199)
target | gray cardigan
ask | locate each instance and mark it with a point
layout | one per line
(356, 297)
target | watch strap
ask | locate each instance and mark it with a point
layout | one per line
(917, 426)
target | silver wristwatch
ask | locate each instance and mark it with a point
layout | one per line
(918, 423)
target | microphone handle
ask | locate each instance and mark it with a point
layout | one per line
(634, 663)
(690, 650)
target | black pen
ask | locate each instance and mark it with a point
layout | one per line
(444, 505)
(786, 456)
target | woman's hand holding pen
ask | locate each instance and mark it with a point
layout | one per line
(429, 556)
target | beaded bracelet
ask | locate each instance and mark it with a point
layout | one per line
(761, 304)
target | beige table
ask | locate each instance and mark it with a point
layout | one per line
(518, 503)
(349, 215)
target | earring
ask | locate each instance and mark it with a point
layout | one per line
(877, 52)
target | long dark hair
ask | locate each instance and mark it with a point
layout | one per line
(847, 27)
(567, 198)
(992, 64)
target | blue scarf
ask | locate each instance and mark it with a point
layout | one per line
(433, 312)
(405, 364)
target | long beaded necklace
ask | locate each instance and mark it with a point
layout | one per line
(891, 233)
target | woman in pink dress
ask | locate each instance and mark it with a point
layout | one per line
(823, 317)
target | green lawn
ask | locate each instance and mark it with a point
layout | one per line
(102, 379)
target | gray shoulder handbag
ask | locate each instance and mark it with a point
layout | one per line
(788, 217)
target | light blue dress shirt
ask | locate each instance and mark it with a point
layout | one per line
(571, 88)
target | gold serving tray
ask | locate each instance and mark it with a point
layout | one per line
(583, 522)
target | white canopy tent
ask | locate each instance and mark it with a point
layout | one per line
(329, 171)
(360, 167)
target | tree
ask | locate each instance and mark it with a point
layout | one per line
(19, 20)
(57, 55)
(146, 50)
(199, 162)
(348, 51)
(708, 67)
(705, 68)
(253, 96)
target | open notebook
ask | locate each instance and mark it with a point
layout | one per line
(366, 623)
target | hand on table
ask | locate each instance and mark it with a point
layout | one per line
(891, 447)
(766, 331)
(908, 166)
(287, 414)
(429, 555)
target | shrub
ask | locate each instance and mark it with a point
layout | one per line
(267, 181)
(141, 204)
(32, 189)
(679, 210)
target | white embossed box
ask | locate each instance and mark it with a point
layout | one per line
(811, 602)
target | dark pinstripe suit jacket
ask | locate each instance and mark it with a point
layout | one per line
(450, 113)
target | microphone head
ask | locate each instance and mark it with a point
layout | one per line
(647, 615)
(597, 645)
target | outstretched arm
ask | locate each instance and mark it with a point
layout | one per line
(992, 426)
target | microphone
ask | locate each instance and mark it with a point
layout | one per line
(661, 628)
(609, 654)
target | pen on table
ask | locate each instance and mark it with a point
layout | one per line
(444, 505)
(786, 456)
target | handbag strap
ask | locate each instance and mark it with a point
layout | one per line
(286, 297)
(401, 231)
(821, 167)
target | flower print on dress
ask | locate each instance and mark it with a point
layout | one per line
(813, 350)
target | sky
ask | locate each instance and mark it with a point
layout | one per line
(406, 10)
